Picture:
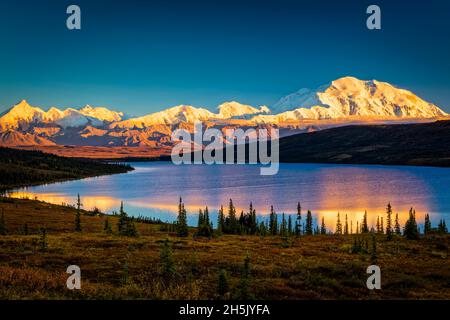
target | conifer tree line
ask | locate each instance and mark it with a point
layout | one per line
(229, 222)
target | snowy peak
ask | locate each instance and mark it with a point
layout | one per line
(20, 115)
(101, 113)
(235, 109)
(174, 115)
(23, 115)
(350, 97)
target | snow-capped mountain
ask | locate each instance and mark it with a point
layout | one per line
(235, 109)
(23, 115)
(341, 101)
(190, 114)
(350, 97)
(172, 115)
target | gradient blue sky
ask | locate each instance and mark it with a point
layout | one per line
(143, 56)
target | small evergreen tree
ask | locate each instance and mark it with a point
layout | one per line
(283, 228)
(220, 221)
(244, 284)
(346, 232)
(182, 227)
(364, 226)
(167, 264)
(397, 226)
(231, 221)
(78, 215)
(289, 228)
(378, 225)
(323, 229)
(130, 229)
(222, 284)
(338, 225)
(298, 220)
(389, 221)
(123, 217)
(262, 229)
(427, 225)
(410, 231)
(442, 227)
(77, 221)
(273, 222)
(309, 223)
(204, 228)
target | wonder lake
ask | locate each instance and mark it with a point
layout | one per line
(153, 189)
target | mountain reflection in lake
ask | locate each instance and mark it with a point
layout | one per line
(154, 189)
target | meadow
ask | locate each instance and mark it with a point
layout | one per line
(157, 264)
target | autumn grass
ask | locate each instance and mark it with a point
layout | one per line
(114, 267)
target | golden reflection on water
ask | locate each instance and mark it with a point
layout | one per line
(323, 190)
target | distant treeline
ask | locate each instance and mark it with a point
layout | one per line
(247, 223)
(20, 168)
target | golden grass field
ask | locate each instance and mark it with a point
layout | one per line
(116, 267)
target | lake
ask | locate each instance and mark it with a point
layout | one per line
(154, 189)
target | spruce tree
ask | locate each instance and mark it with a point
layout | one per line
(283, 227)
(410, 231)
(78, 221)
(232, 221)
(323, 229)
(244, 283)
(78, 215)
(378, 225)
(289, 228)
(262, 229)
(364, 227)
(397, 229)
(204, 228)
(442, 227)
(167, 264)
(309, 223)
(220, 221)
(338, 225)
(389, 221)
(182, 227)
(222, 284)
(346, 232)
(427, 225)
(298, 220)
(130, 230)
(273, 222)
(123, 217)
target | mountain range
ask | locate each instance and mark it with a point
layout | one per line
(345, 100)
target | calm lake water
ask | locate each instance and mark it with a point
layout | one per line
(154, 188)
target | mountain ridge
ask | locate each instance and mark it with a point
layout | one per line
(343, 100)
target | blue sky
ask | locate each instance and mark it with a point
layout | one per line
(143, 56)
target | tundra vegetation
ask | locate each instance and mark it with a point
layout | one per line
(244, 256)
